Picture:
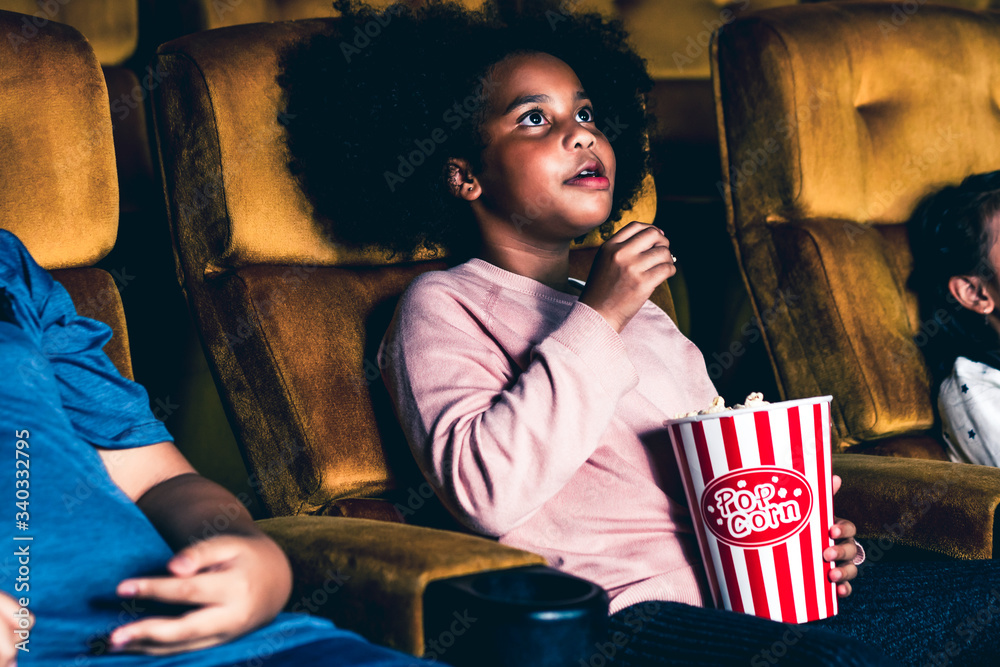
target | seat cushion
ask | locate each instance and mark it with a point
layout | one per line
(95, 295)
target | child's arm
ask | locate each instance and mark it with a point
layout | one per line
(495, 442)
(238, 579)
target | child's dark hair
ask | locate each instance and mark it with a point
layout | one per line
(950, 235)
(369, 102)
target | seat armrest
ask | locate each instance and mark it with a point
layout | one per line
(369, 576)
(948, 508)
(362, 508)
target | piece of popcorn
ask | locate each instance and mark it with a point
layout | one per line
(755, 399)
(718, 405)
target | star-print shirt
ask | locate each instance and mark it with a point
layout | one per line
(968, 400)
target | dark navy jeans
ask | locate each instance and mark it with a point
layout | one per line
(931, 613)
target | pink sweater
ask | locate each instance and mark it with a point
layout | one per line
(539, 424)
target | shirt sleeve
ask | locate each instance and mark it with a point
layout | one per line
(106, 409)
(497, 442)
(969, 403)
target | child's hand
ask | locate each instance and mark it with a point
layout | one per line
(843, 551)
(238, 583)
(8, 642)
(627, 268)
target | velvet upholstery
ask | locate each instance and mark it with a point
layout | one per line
(833, 121)
(111, 26)
(290, 319)
(95, 295)
(937, 506)
(211, 14)
(831, 132)
(59, 192)
(55, 136)
(372, 574)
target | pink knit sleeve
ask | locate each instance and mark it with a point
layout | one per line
(498, 443)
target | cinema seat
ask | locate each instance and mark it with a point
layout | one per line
(290, 322)
(59, 190)
(200, 15)
(834, 119)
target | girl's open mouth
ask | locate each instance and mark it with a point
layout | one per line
(594, 182)
(590, 175)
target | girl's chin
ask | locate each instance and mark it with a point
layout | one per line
(586, 230)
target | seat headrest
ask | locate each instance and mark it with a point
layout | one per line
(111, 26)
(884, 105)
(59, 190)
(221, 88)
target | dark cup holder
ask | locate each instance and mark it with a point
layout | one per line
(532, 587)
(529, 617)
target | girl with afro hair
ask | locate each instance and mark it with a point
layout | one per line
(535, 403)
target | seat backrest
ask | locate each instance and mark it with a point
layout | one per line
(59, 192)
(290, 320)
(211, 14)
(111, 26)
(835, 119)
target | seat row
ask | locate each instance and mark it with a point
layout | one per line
(811, 146)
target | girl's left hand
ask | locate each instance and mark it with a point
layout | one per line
(843, 551)
(236, 582)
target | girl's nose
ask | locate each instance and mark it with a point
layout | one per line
(578, 135)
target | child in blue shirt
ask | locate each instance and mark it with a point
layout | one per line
(102, 550)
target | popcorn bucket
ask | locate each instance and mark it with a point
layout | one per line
(758, 487)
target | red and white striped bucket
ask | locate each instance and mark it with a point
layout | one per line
(758, 485)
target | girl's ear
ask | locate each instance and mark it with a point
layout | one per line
(971, 292)
(460, 179)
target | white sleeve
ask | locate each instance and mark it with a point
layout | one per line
(969, 403)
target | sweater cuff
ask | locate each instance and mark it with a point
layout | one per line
(589, 336)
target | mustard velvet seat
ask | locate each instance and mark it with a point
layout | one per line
(59, 193)
(291, 321)
(834, 119)
(111, 27)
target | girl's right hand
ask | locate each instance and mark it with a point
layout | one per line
(627, 268)
(8, 649)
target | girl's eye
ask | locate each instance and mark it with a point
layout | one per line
(534, 118)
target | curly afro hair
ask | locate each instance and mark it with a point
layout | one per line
(368, 102)
(949, 233)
